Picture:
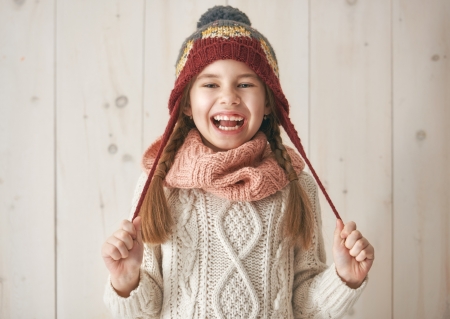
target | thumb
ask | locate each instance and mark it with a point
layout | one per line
(338, 230)
(137, 223)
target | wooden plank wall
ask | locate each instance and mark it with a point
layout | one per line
(27, 159)
(84, 89)
(99, 49)
(421, 140)
(350, 129)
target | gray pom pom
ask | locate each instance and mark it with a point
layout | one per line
(223, 13)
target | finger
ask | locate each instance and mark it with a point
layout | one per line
(338, 230)
(111, 251)
(352, 238)
(120, 245)
(359, 245)
(137, 223)
(124, 236)
(366, 254)
(348, 228)
(361, 256)
(129, 227)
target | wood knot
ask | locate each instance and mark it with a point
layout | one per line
(421, 135)
(435, 57)
(121, 101)
(112, 149)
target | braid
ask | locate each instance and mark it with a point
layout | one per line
(299, 221)
(272, 131)
(156, 219)
(173, 145)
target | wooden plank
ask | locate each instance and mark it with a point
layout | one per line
(27, 187)
(421, 159)
(350, 129)
(99, 110)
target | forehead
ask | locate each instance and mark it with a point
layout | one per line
(225, 68)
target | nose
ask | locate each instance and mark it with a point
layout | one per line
(230, 96)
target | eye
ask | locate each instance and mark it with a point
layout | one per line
(210, 85)
(245, 85)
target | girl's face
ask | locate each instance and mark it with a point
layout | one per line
(227, 103)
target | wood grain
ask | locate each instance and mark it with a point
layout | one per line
(27, 178)
(99, 110)
(350, 130)
(421, 159)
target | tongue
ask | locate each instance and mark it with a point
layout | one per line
(228, 123)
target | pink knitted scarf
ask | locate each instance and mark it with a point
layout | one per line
(247, 173)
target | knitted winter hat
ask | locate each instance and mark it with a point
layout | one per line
(224, 32)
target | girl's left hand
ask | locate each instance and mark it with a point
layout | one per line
(353, 254)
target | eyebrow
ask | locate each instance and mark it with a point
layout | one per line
(211, 75)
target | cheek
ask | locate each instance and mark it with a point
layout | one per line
(200, 101)
(258, 105)
(200, 105)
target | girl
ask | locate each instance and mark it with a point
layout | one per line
(229, 224)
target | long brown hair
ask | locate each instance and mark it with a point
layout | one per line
(157, 221)
(299, 219)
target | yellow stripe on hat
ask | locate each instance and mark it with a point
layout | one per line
(225, 32)
(270, 58)
(183, 59)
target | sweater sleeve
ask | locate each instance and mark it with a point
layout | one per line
(145, 301)
(318, 292)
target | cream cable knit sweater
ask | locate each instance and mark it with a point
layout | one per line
(228, 260)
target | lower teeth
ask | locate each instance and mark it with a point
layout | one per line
(228, 128)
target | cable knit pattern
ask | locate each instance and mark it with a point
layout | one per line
(239, 228)
(228, 259)
(247, 173)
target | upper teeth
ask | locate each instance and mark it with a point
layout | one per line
(228, 118)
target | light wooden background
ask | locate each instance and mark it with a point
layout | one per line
(84, 87)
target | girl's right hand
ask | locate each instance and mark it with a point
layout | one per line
(123, 253)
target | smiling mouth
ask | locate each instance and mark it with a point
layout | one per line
(228, 123)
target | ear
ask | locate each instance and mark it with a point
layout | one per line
(187, 110)
(267, 108)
